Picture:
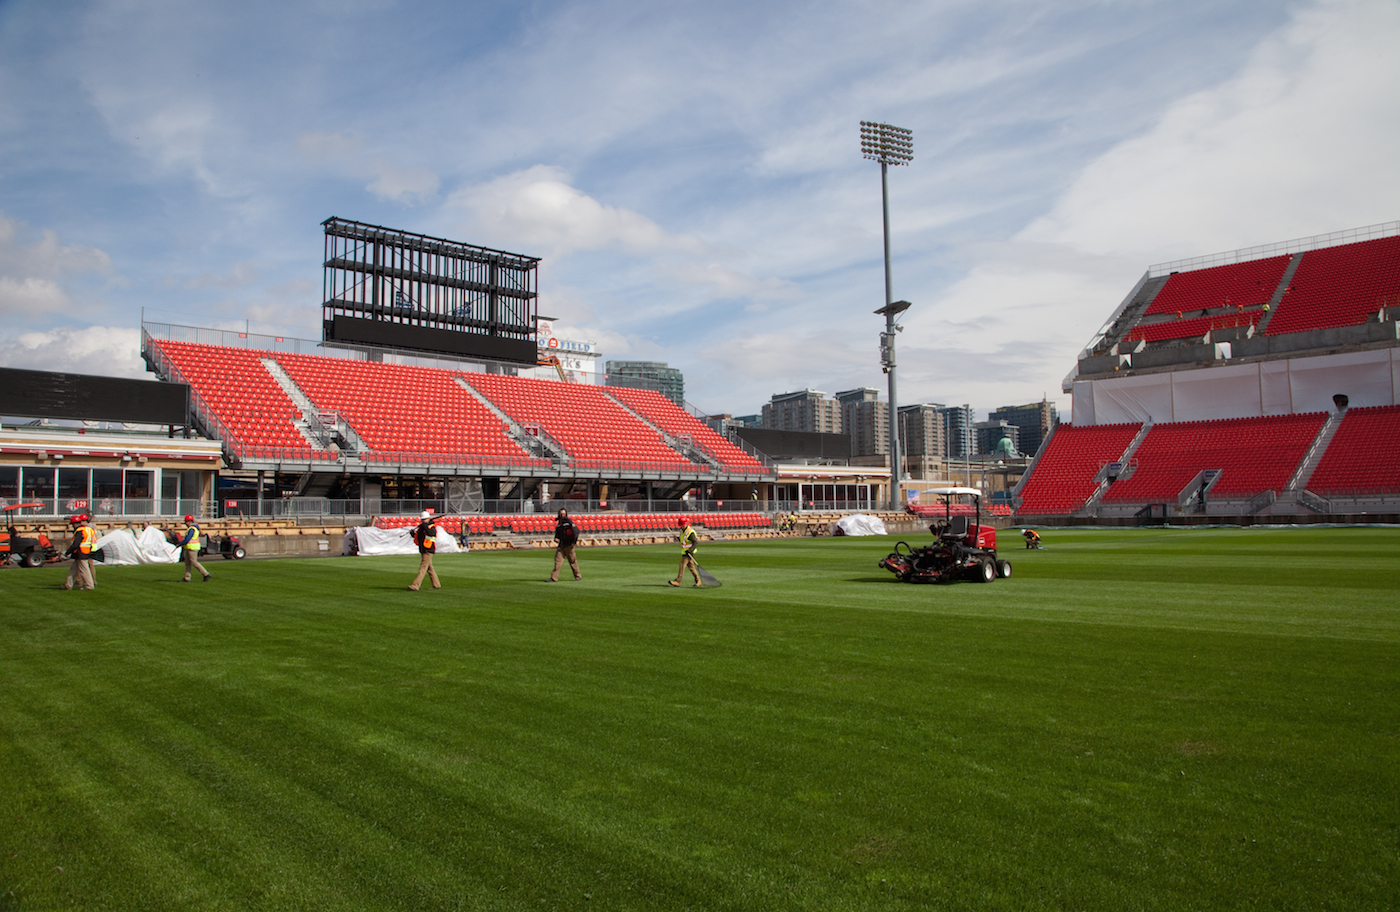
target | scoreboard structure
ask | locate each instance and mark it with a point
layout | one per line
(395, 289)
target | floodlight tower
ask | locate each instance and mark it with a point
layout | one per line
(889, 146)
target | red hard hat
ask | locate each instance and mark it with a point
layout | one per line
(189, 518)
(684, 521)
(76, 519)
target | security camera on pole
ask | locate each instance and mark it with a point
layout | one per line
(889, 146)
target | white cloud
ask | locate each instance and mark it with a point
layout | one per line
(33, 277)
(103, 351)
(32, 296)
(725, 282)
(539, 209)
(241, 274)
(1302, 141)
(47, 257)
(328, 146)
(390, 181)
(404, 185)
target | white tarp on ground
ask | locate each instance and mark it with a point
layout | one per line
(122, 546)
(858, 524)
(367, 541)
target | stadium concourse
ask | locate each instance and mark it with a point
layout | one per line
(1252, 386)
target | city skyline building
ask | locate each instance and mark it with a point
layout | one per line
(653, 375)
(1034, 421)
(865, 419)
(806, 410)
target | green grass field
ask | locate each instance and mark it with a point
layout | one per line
(1171, 719)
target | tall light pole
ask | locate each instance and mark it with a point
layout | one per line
(889, 146)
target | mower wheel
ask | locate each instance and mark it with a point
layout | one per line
(1004, 569)
(31, 559)
(985, 571)
(239, 554)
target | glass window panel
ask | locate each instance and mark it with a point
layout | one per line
(73, 489)
(106, 483)
(37, 483)
(138, 482)
(9, 484)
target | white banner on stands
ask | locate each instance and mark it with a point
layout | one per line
(1130, 399)
(1364, 377)
(1286, 387)
(1219, 392)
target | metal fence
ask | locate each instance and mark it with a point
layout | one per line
(133, 508)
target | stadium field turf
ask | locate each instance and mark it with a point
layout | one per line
(1136, 720)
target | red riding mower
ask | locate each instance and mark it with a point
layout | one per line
(963, 548)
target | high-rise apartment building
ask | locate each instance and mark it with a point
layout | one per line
(959, 436)
(866, 420)
(1034, 422)
(808, 410)
(655, 375)
(921, 429)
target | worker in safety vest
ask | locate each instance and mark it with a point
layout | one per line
(80, 575)
(689, 542)
(189, 547)
(425, 537)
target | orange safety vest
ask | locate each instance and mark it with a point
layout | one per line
(87, 537)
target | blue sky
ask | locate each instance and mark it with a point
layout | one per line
(690, 173)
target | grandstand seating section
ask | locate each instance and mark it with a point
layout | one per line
(1361, 457)
(589, 523)
(1253, 454)
(1063, 478)
(407, 412)
(677, 422)
(1194, 327)
(1340, 286)
(595, 431)
(237, 388)
(1248, 284)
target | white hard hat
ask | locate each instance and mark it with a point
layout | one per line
(427, 514)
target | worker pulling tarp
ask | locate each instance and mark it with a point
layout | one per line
(368, 541)
(149, 546)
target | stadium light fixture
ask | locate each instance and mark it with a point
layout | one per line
(889, 145)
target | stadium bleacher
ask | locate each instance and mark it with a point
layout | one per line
(592, 428)
(1195, 327)
(677, 422)
(588, 523)
(1361, 457)
(1248, 284)
(401, 409)
(257, 415)
(1340, 286)
(1253, 455)
(1064, 476)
